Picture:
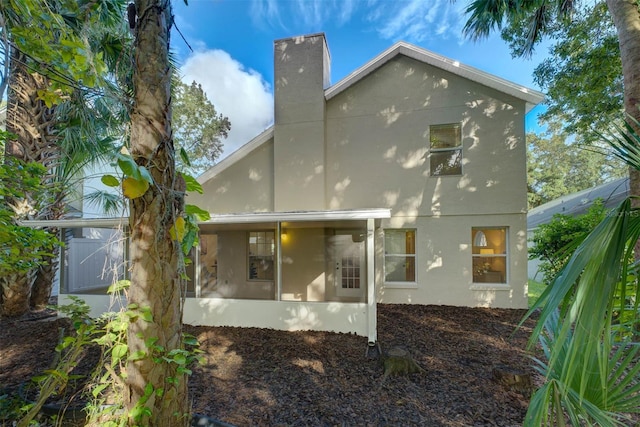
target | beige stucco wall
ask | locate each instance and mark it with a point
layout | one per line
(378, 141)
(246, 186)
(233, 271)
(304, 264)
(376, 154)
(300, 65)
(444, 264)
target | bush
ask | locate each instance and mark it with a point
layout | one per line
(552, 241)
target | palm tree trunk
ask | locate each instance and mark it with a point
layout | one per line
(16, 288)
(153, 383)
(626, 17)
(32, 122)
(44, 278)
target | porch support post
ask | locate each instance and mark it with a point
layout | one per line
(279, 261)
(372, 324)
(196, 270)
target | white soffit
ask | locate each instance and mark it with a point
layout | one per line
(78, 222)
(239, 218)
(299, 216)
(530, 96)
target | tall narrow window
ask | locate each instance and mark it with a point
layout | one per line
(261, 255)
(489, 254)
(400, 256)
(446, 149)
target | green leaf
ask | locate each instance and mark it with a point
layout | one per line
(145, 174)
(128, 166)
(200, 213)
(118, 352)
(192, 183)
(184, 156)
(146, 314)
(110, 180)
(138, 355)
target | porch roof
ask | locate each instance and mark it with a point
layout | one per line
(233, 218)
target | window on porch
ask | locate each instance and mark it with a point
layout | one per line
(261, 255)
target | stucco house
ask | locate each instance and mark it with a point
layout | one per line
(405, 182)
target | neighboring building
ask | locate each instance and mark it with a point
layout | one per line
(405, 182)
(611, 193)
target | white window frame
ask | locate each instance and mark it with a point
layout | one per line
(273, 255)
(505, 255)
(456, 149)
(401, 284)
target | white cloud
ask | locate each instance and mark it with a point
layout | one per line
(418, 20)
(411, 20)
(265, 13)
(303, 15)
(238, 93)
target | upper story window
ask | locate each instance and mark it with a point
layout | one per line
(446, 149)
(400, 256)
(261, 255)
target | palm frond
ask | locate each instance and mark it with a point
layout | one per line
(625, 141)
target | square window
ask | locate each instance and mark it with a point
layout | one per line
(400, 256)
(445, 157)
(489, 254)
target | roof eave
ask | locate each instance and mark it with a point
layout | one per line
(530, 96)
(232, 218)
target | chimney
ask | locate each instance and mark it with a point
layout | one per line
(302, 68)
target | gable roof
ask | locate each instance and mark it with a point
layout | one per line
(530, 96)
(612, 194)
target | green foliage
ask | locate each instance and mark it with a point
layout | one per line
(535, 289)
(21, 247)
(589, 388)
(554, 241)
(585, 49)
(589, 365)
(69, 352)
(58, 45)
(108, 379)
(198, 128)
(625, 141)
(575, 167)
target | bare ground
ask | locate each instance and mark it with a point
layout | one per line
(262, 377)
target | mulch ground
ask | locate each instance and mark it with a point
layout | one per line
(262, 377)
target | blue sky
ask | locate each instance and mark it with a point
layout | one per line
(232, 42)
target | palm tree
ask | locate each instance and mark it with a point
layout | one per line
(32, 122)
(62, 137)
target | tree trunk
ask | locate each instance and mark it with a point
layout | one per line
(156, 392)
(16, 288)
(33, 123)
(43, 281)
(626, 17)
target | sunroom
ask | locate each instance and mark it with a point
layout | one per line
(306, 270)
